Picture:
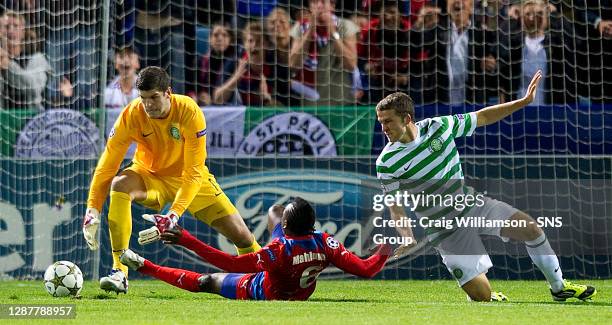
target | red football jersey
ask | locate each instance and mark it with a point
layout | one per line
(288, 267)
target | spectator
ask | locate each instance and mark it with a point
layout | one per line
(164, 34)
(24, 70)
(73, 49)
(250, 82)
(278, 27)
(459, 54)
(492, 14)
(598, 31)
(324, 50)
(599, 15)
(539, 47)
(384, 52)
(122, 90)
(427, 18)
(222, 54)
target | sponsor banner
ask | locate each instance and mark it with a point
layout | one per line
(59, 133)
(290, 134)
(535, 130)
(11, 122)
(225, 129)
(309, 131)
(41, 215)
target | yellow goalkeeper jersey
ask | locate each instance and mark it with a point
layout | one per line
(173, 146)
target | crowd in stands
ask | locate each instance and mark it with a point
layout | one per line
(300, 52)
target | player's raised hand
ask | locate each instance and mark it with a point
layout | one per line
(91, 222)
(532, 88)
(162, 224)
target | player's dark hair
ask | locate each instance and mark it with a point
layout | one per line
(300, 217)
(153, 78)
(401, 103)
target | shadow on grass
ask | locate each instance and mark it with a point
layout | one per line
(103, 296)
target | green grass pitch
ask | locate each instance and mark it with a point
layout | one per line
(334, 302)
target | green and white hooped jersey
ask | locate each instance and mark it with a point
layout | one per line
(428, 165)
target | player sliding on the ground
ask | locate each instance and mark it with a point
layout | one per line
(168, 167)
(285, 269)
(421, 157)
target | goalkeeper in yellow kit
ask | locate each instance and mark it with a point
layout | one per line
(168, 167)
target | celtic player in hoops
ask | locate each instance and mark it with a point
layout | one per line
(421, 157)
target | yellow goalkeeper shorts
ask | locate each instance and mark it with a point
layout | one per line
(208, 205)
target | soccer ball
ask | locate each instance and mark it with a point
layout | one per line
(63, 279)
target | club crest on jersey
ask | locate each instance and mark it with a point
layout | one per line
(175, 133)
(435, 145)
(332, 243)
(458, 273)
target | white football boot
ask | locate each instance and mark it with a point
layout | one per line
(131, 259)
(116, 281)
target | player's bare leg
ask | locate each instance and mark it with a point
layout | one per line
(531, 232)
(211, 283)
(233, 228)
(545, 259)
(125, 188)
(479, 288)
(130, 182)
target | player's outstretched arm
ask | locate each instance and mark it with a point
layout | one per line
(351, 263)
(246, 263)
(194, 156)
(116, 147)
(492, 114)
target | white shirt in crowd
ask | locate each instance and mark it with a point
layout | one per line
(456, 63)
(115, 98)
(534, 59)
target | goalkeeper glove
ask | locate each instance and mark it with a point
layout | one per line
(91, 222)
(162, 223)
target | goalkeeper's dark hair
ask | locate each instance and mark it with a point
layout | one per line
(401, 103)
(153, 78)
(300, 217)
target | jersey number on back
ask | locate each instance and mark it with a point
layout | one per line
(309, 276)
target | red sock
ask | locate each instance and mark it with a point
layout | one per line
(177, 277)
